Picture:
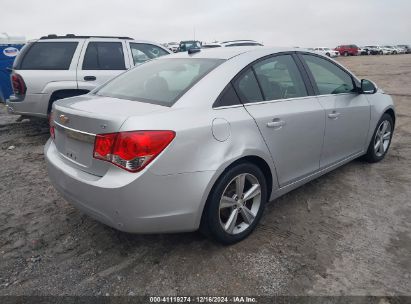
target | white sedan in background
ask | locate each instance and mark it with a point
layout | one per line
(326, 51)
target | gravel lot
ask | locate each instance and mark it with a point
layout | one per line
(347, 233)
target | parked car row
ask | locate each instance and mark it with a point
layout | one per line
(354, 50)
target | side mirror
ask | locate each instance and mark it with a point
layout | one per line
(368, 87)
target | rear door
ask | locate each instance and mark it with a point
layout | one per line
(100, 61)
(347, 113)
(288, 117)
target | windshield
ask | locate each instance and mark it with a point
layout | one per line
(160, 82)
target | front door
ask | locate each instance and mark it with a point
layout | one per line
(347, 113)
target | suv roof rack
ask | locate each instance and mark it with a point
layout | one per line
(54, 36)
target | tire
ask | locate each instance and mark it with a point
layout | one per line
(381, 53)
(328, 54)
(375, 152)
(346, 54)
(215, 222)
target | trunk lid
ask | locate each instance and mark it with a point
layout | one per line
(78, 119)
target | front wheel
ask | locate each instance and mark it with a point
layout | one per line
(235, 205)
(381, 139)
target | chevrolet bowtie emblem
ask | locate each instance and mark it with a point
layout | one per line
(63, 119)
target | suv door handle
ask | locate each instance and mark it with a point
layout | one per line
(334, 115)
(89, 78)
(276, 123)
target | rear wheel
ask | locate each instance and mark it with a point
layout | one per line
(381, 139)
(345, 54)
(63, 94)
(235, 205)
(328, 54)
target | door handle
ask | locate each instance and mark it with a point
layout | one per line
(334, 115)
(276, 123)
(89, 78)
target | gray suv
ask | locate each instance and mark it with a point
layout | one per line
(56, 67)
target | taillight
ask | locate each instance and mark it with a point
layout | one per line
(19, 87)
(51, 125)
(132, 150)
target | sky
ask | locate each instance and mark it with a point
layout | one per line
(304, 23)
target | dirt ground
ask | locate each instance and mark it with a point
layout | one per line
(346, 233)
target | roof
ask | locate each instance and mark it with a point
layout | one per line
(68, 36)
(227, 53)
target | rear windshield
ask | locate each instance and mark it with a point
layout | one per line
(47, 56)
(161, 81)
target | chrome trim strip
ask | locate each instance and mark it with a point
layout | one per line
(76, 134)
(73, 130)
(281, 100)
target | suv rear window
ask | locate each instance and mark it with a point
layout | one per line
(159, 81)
(47, 56)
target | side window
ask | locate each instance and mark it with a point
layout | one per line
(227, 98)
(247, 87)
(330, 78)
(280, 78)
(143, 52)
(104, 56)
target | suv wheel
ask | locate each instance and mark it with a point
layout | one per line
(346, 54)
(235, 205)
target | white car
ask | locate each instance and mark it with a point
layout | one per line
(231, 43)
(382, 50)
(326, 51)
(173, 46)
(393, 50)
(400, 49)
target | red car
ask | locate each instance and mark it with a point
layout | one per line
(347, 50)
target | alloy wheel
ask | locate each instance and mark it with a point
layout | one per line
(382, 138)
(240, 203)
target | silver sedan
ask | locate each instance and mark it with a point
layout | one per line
(202, 140)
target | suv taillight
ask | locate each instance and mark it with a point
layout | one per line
(133, 150)
(19, 87)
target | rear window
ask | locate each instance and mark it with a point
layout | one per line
(160, 82)
(47, 56)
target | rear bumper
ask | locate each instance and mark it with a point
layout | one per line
(31, 105)
(133, 202)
